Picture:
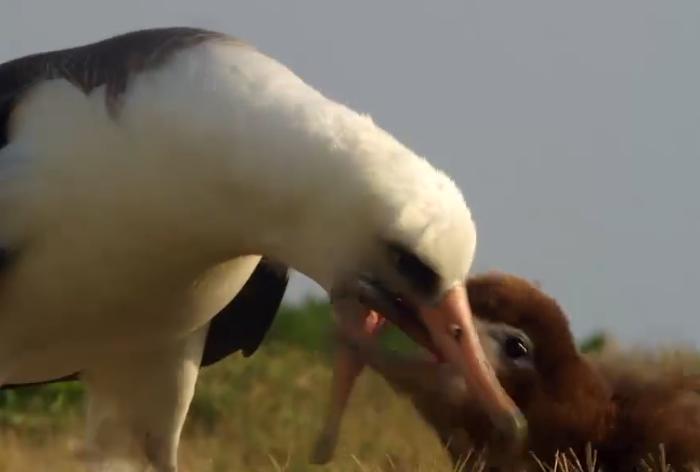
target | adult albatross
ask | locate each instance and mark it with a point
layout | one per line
(142, 178)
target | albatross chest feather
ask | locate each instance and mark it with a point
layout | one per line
(100, 311)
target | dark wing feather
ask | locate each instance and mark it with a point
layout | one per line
(67, 378)
(4, 259)
(244, 322)
(110, 62)
(240, 326)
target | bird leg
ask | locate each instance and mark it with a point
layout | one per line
(138, 402)
(362, 323)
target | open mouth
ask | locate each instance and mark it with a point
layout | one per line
(396, 309)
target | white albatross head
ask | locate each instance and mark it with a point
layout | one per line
(410, 249)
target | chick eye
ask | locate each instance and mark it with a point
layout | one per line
(515, 348)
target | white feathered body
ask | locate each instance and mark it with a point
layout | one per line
(134, 225)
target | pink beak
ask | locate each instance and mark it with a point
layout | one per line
(453, 333)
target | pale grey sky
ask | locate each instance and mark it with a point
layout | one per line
(572, 127)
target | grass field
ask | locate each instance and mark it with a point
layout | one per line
(254, 414)
(257, 414)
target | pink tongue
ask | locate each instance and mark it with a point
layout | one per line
(373, 322)
(366, 327)
(347, 368)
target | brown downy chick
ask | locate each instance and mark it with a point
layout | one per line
(568, 400)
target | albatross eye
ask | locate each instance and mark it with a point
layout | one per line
(409, 266)
(515, 348)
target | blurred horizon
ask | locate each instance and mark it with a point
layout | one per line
(572, 128)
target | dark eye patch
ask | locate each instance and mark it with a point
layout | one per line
(4, 258)
(419, 274)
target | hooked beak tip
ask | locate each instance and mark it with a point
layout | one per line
(451, 326)
(512, 430)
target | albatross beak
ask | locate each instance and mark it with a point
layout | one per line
(447, 329)
(453, 332)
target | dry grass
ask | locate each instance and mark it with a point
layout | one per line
(262, 414)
